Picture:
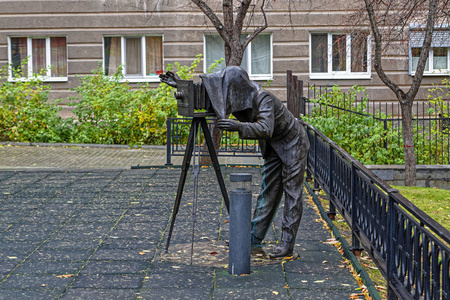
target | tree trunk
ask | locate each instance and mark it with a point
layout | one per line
(408, 142)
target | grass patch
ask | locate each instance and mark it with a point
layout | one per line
(434, 202)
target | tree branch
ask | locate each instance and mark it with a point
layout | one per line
(242, 11)
(214, 19)
(227, 7)
(425, 50)
(378, 49)
(259, 29)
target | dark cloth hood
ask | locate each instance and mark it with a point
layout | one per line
(230, 90)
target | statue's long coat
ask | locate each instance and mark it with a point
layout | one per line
(283, 141)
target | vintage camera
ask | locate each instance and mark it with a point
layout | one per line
(191, 97)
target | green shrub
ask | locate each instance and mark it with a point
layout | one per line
(26, 115)
(368, 138)
(109, 111)
(361, 136)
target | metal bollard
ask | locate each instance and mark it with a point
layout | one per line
(240, 224)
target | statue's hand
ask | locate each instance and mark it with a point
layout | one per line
(228, 125)
(169, 78)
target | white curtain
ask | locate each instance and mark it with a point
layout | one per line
(38, 52)
(154, 48)
(214, 50)
(261, 55)
(58, 56)
(133, 56)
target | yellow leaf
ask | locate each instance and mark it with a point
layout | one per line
(65, 276)
(275, 292)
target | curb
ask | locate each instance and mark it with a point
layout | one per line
(159, 147)
(348, 254)
(179, 166)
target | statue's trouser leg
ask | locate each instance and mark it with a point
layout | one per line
(269, 198)
(293, 206)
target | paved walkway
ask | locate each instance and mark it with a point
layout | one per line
(78, 223)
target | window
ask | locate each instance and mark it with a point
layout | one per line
(257, 60)
(339, 56)
(141, 57)
(40, 56)
(438, 61)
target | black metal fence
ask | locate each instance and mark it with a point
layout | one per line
(411, 249)
(431, 120)
(231, 144)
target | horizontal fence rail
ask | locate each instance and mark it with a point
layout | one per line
(231, 144)
(410, 249)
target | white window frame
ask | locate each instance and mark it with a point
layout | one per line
(347, 74)
(430, 71)
(135, 79)
(47, 77)
(248, 53)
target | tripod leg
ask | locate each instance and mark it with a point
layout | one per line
(215, 161)
(184, 170)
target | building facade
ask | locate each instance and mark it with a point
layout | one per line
(65, 38)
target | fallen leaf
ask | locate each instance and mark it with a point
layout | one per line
(213, 253)
(65, 276)
(275, 292)
(286, 287)
(331, 242)
(142, 253)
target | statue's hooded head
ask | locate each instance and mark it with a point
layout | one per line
(230, 90)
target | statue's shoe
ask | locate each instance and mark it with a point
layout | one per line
(283, 250)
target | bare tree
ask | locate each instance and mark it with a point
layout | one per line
(390, 24)
(232, 24)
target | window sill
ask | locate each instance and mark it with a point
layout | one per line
(48, 79)
(339, 76)
(260, 77)
(435, 73)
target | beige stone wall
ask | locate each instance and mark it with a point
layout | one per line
(85, 22)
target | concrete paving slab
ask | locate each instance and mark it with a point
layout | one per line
(106, 228)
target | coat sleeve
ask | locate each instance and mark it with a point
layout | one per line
(263, 127)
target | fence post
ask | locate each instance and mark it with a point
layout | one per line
(169, 142)
(390, 251)
(332, 212)
(316, 183)
(356, 246)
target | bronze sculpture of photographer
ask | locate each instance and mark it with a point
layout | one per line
(283, 141)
